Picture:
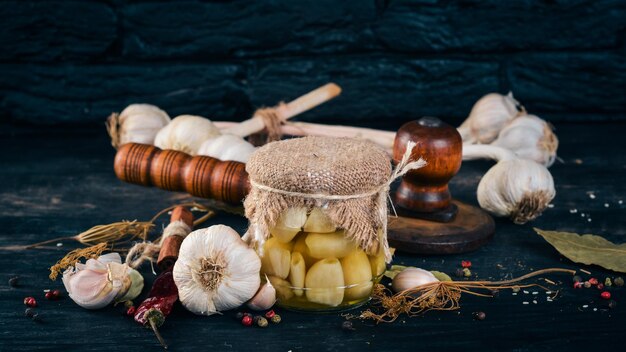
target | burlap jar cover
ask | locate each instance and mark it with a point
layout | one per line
(348, 178)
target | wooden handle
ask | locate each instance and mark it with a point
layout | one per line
(201, 176)
(171, 244)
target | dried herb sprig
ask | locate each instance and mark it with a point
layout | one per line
(71, 258)
(441, 295)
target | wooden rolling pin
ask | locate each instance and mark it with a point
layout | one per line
(201, 176)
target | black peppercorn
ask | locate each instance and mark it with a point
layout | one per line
(577, 278)
(618, 281)
(347, 325)
(495, 293)
(37, 318)
(14, 281)
(459, 273)
(239, 316)
(611, 304)
(29, 312)
(480, 315)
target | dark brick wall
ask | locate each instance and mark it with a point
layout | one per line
(76, 61)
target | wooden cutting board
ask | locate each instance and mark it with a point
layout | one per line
(471, 228)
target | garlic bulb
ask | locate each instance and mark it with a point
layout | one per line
(227, 147)
(265, 298)
(99, 282)
(138, 123)
(488, 116)
(186, 133)
(518, 188)
(411, 278)
(529, 137)
(215, 271)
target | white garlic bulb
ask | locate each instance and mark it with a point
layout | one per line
(488, 116)
(99, 282)
(227, 147)
(529, 137)
(410, 278)
(518, 188)
(215, 271)
(138, 123)
(186, 133)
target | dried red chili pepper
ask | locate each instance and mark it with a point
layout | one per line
(154, 309)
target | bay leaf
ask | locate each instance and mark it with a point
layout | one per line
(394, 270)
(587, 249)
(441, 276)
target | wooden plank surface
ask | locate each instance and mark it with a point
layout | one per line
(60, 182)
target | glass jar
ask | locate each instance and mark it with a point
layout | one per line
(318, 215)
(314, 267)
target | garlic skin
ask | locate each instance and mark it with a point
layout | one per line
(518, 188)
(264, 298)
(529, 137)
(215, 271)
(186, 133)
(410, 278)
(99, 282)
(227, 147)
(488, 116)
(138, 123)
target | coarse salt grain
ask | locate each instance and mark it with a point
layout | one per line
(620, 201)
(534, 302)
(595, 309)
(535, 293)
(514, 293)
(585, 306)
(606, 205)
(573, 211)
(582, 215)
(526, 292)
(548, 292)
(550, 205)
(59, 244)
(589, 220)
(592, 196)
(525, 302)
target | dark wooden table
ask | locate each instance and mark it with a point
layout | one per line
(60, 182)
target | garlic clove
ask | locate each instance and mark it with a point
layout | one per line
(264, 298)
(529, 137)
(378, 264)
(319, 222)
(186, 133)
(276, 258)
(301, 247)
(324, 282)
(410, 278)
(520, 189)
(324, 245)
(284, 234)
(283, 288)
(488, 116)
(357, 275)
(297, 272)
(90, 289)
